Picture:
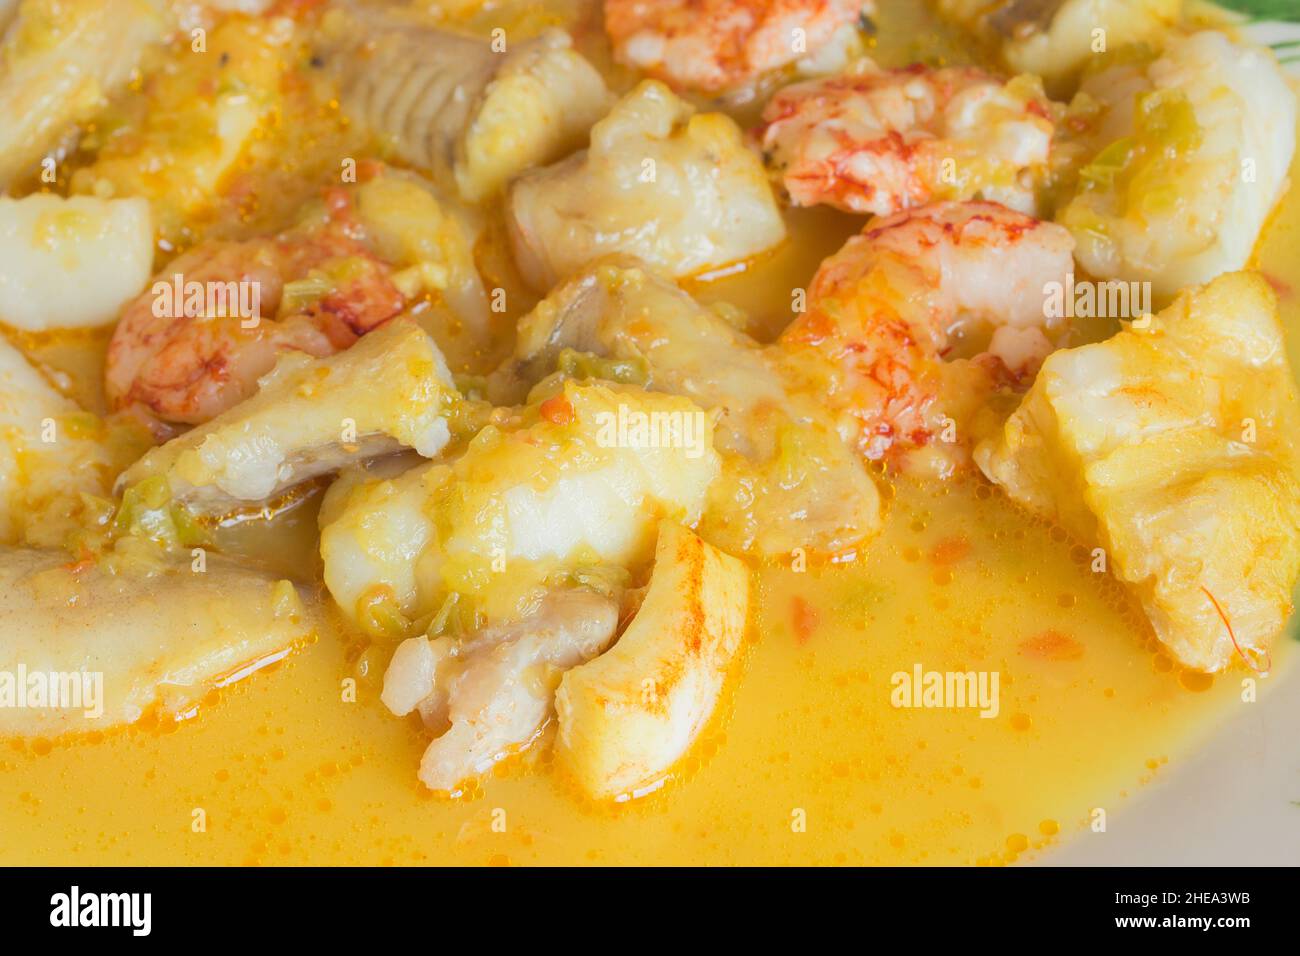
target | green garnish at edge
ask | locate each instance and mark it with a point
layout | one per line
(1284, 10)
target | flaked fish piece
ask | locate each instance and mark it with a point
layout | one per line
(1056, 39)
(1173, 446)
(563, 488)
(60, 62)
(1188, 156)
(390, 391)
(619, 307)
(430, 238)
(494, 690)
(375, 530)
(628, 716)
(473, 112)
(110, 647)
(50, 454)
(71, 263)
(180, 134)
(621, 310)
(678, 189)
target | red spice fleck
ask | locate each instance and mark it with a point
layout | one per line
(1282, 288)
(1268, 663)
(1052, 646)
(557, 410)
(368, 169)
(296, 9)
(804, 618)
(338, 201)
(84, 563)
(951, 550)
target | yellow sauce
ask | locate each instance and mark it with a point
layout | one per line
(810, 762)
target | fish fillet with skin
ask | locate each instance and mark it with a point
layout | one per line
(60, 62)
(160, 638)
(310, 417)
(463, 108)
(493, 690)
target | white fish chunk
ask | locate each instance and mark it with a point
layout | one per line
(1192, 152)
(493, 691)
(147, 639)
(620, 309)
(389, 391)
(374, 533)
(473, 115)
(50, 453)
(60, 62)
(191, 122)
(431, 238)
(520, 505)
(629, 715)
(1174, 448)
(680, 190)
(71, 263)
(411, 675)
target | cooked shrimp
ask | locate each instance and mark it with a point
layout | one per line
(187, 366)
(888, 312)
(714, 45)
(880, 141)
